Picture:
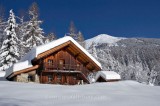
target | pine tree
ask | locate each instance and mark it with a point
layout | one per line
(93, 50)
(76, 36)
(50, 37)
(34, 34)
(9, 50)
(21, 30)
(81, 39)
(3, 24)
(73, 31)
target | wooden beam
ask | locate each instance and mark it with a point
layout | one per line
(73, 50)
(93, 68)
(70, 52)
(85, 64)
(77, 55)
(65, 48)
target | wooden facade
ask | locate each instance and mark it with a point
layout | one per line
(64, 64)
(63, 68)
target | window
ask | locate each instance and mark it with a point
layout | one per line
(61, 62)
(49, 65)
(59, 76)
(74, 77)
(50, 78)
(50, 61)
(30, 78)
(78, 64)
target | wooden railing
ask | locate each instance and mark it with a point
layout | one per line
(67, 67)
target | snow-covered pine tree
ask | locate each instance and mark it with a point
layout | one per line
(34, 34)
(3, 24)
(76, 36)
(2, 34)
(50, 37)
(73, 31)
(21, 30)
(81, 39)
(9, 50)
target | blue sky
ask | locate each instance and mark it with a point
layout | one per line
(121, 18)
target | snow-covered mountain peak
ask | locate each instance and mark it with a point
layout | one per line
(102, 38)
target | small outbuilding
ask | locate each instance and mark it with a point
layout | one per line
(107, 76)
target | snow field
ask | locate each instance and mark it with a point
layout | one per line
(122, 93)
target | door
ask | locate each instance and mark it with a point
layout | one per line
(61, 64)
(59, 78)
(65, 79)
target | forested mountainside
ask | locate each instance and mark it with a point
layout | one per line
(133, 58)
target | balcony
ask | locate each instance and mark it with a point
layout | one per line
(48, 67)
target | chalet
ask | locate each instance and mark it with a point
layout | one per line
(62, 61)
(107, 76)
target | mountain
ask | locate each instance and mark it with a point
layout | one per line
(102, 38)
(133, 58)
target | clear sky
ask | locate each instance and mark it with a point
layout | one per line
(121, 18)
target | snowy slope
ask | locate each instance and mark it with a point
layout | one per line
(102, 38)
(122, 93)
(133, 58)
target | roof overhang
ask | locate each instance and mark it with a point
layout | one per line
(23, 71)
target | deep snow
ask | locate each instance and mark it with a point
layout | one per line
(122, 93)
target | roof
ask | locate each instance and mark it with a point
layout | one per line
(108, 75)
(37, 52)
(24, 71)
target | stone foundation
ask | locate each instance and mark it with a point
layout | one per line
(25, 77)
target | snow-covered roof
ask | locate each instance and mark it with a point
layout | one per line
(108, 75)
(25, 62)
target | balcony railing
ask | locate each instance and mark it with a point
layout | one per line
(67, 67)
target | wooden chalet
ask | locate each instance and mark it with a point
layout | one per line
(62, 61)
